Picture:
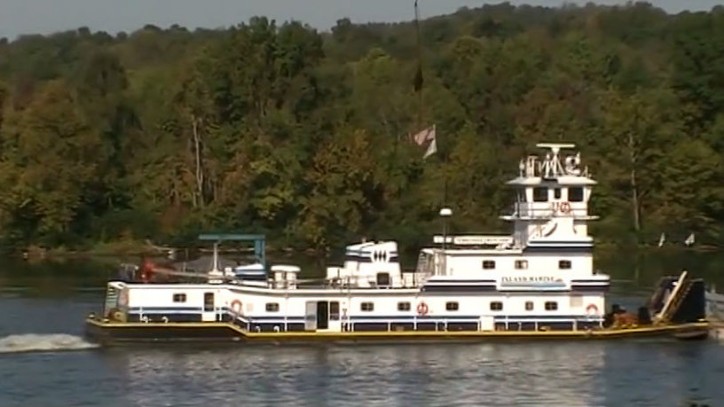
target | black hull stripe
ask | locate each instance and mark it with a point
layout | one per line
(158, 316)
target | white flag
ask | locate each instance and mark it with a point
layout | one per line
(431, 149)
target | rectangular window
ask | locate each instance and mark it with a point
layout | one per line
(272, 307)
(496, 306)
(488, 264)
(334, 310)
(540, 194)
(564, 264)
(403, 306)
(367, 306)
(529, 305)
(557, 193)
(521, 264)
(551, 306)
(208, 302)
(575, 194)
(179, 298)
(452, 306)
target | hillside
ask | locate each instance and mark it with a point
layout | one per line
(278, 129)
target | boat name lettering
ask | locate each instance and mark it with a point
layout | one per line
(530, 279)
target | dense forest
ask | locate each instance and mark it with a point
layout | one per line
(277, 128)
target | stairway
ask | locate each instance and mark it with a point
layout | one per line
(674, 302)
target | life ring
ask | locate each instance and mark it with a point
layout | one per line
(236, 307)
(422, 308)
(592, 309)
(565, 207)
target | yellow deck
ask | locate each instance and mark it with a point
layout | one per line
(653, 330)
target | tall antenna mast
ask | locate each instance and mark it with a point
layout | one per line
(418, 82)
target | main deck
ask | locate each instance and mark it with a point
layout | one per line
(108, 332)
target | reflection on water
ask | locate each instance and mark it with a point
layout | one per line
(450, 375)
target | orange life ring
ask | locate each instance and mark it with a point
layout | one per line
(422, 308)
(592, 309)
(236, 307)
(565, 207)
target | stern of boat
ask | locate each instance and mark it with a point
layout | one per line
(114, 309)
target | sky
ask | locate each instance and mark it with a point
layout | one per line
(47, 16)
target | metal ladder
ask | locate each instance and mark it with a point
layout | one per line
(674, 301)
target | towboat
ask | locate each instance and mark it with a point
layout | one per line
(536, 283)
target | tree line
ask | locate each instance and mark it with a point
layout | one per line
(277, 128)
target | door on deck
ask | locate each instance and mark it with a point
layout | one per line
(310, 316)
(210, 313)
(335, 322)
(323, 316)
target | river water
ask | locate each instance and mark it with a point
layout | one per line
(44, 360)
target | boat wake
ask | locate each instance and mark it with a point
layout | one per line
(43, 343)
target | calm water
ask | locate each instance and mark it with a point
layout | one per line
(45, 362)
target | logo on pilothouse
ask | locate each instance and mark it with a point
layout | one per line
(521, 282)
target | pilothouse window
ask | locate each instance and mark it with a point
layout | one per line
(557, 193)
(540, 194)
(575, 194)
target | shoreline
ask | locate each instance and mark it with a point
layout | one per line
(128, 248)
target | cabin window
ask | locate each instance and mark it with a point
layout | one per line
(520, 196)
(488, 264)
(179, 298)
(564, 264)
(540, 194)
(557, 193)
(403, 306)
(334, 310)
(521, 264)
(272, 307)
(551, 306)
(367, 306)
(208, 302)
(496, 306)
(383, 279)
(575, 194)
(529, 305)
(452, 306)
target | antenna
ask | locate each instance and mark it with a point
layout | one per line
(419, 80)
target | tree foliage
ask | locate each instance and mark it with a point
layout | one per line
(280, 129)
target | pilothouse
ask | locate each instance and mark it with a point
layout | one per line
(538, 279)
